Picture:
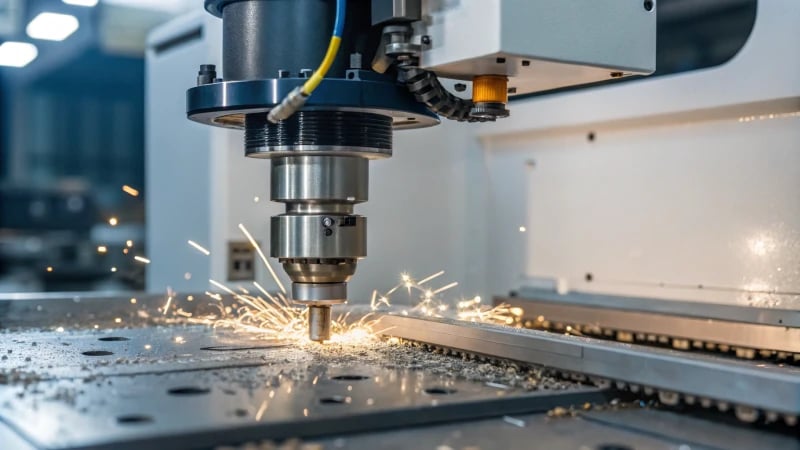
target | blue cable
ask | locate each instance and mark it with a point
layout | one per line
(338, 27)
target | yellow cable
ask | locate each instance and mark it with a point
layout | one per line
(324, 66)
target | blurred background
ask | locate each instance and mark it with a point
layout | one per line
(72, 128)
(72, 141)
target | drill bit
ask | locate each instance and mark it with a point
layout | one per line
(319, 323)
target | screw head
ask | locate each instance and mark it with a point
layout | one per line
(327, 222)
(460, 87)
(426, 40)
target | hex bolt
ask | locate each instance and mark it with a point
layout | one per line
(207, 74)
(327, 222)
(306, 73)
(426, 40)
(283, 74)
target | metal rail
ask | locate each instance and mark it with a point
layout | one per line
(675, 375)
(747, 329)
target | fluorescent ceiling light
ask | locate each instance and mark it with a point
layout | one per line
(52, 26)
(81, 2)
(17, 54)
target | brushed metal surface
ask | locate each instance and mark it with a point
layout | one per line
(738, 326)
(320, 179)
(213, 388)
(723, 379)
(305, 236)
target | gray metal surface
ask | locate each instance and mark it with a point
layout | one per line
(86, 309)
(700, 310)
(190, 394)
(53, 355)
(702, 376)
(630, 428)
(738, 326)
(696, 432)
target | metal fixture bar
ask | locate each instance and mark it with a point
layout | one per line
(693, 375)
(743, 327)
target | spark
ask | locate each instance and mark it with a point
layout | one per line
(444, 288)
(260, 288)
(187, 276)
(222, 286)
(166, 306)
(133, 301)
(49, 268)
(130, 191)
(274, 316)
(179, 340)
(116, 320)
(522, 229)
(430, 277)
(392, 290)
(261, 410)
(60, 329)
(190, 298)
(142, 259)
(199, 247)
(124, 251)
(129, 243)
(147, 346)
(113, 269)
(113, 221)
(263, 257)
(102, 249)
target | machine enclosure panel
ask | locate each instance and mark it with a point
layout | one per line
(540, 44)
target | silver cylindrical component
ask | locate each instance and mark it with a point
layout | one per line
(319, 323)
(320, 171)
(320, 179)
(318, 271)
(296, 236)
(319, 293)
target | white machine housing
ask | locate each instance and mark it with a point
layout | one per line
(539, 44)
